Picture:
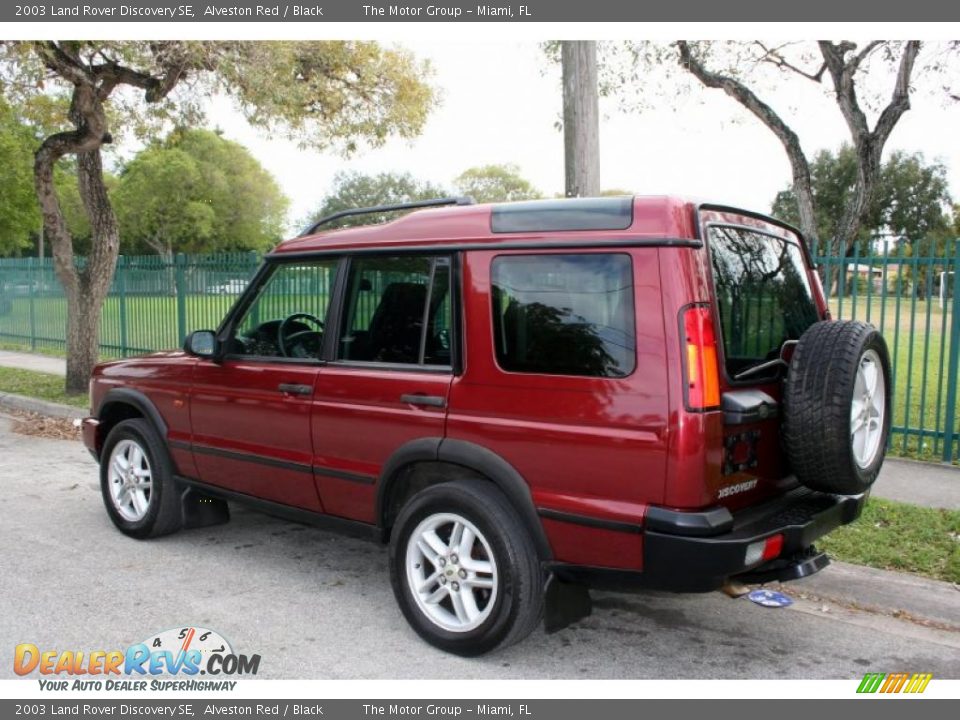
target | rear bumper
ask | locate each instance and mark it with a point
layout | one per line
(88, 430)
(694, 556)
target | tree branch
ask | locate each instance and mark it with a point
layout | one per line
(842, 74)
(773, 56)
(900, 99)
(62, 63)
(767, 115)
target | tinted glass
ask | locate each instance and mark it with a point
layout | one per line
(763, 294)
(613, 213)
(564, 314)
(397, 310)
(286, 318)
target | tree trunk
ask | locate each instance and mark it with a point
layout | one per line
(581, 118)
(86, 287)
(83, 341)
(96, 277)
(164, 248)
(843, 67)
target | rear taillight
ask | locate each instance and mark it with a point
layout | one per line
(763, 550)
(700, 340)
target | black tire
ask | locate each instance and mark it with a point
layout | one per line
(518, 607)
(817, 405)
(163, 515)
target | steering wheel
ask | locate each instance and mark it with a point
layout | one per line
(283, 339)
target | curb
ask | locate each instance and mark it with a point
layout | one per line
(883, 591)
(41, 407)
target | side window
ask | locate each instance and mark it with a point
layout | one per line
(564, 314)
(397, 310)
(286, 318)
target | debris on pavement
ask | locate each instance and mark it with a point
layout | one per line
(36, 425)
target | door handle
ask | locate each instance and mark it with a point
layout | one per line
(427, 400)
(295, 389)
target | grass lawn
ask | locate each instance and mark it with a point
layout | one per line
(896, 536)
(39, 385)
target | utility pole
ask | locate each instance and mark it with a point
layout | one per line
(581, 118)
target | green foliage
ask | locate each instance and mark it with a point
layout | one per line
(322, 93)
(197, 192)
(910, 199)
(354, 190)
(495, 183)
(19, 211)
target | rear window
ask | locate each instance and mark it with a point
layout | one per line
(763, 294)
(564, 314)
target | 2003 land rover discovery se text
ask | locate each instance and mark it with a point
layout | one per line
(524, 400)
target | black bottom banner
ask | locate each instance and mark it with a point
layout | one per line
(616, 709)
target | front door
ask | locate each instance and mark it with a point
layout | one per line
(251, 414)
(388, 381)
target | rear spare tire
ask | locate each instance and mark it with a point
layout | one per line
(837, 406)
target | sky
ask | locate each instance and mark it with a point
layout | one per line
(500, 103)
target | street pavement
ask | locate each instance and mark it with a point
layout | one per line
(317, 605)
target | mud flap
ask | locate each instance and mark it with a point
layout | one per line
(564, 604)
(201, 510)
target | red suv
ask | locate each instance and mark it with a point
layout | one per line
(525, 400)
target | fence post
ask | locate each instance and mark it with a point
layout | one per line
(180, 262)
(32, 285)
(949, 425)
(122, 287)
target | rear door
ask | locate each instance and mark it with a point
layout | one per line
(389, 379)
(764, 298)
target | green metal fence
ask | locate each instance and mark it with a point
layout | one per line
(155, 301)
(915, 302)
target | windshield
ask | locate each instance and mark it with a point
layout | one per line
(763, 295)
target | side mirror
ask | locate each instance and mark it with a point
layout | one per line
(201, 343)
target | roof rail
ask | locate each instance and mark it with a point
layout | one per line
(413, 205)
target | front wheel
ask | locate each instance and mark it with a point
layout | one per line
(464, 569)
(137, 482)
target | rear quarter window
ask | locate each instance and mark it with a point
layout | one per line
(564, 314)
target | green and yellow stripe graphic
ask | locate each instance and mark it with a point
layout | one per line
(894, 682)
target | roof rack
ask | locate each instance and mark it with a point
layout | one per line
(413, 205)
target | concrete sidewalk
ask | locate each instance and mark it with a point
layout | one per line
(920, 483)
(30, 361)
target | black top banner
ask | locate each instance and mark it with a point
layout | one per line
(454, 11)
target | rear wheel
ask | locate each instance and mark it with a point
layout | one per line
(837, 406)
(464, 569)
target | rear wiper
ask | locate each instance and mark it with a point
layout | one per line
(760, 367)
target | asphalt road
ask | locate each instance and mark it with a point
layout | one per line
(317, 605)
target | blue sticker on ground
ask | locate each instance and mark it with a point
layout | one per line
(770, 598)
